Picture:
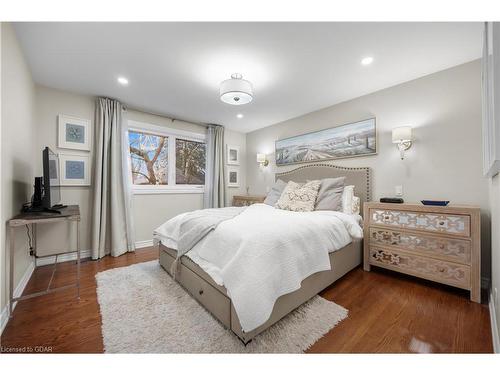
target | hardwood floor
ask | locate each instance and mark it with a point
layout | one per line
(388, 313)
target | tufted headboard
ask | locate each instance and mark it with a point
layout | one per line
(359, 177)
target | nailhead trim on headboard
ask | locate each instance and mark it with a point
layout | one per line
(361, 169)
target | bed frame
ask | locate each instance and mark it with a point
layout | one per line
(214, 297)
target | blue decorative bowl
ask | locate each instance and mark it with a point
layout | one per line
(435, 203)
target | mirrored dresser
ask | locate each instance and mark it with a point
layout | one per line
(441, 244)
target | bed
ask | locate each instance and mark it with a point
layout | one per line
(215, 298)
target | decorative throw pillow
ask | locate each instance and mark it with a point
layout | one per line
(275, 193)
(299, 197)
(330, 194)
(356, 203)
(347, 199)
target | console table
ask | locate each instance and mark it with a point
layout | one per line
(69, 213)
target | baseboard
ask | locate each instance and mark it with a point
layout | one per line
(494, 325)
(141, 244)
(18, 291)
(63, 258)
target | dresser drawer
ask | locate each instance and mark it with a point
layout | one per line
(218, 304)
(432, 269)
(426, 221)
(452, 249)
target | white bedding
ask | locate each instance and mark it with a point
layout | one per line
(264, 253)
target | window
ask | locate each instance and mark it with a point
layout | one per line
(148, 158)
(166, 160)
(190, 162)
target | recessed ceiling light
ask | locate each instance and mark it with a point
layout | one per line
(367, 60)
(122, 81)
(239, 115)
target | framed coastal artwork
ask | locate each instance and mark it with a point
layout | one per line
(73, 133)
(74, 169)
(233, 177)
(345, 141)
(233, 155)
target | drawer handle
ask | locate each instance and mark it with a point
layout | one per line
(441, 223)
(441, 269)
(200, 292)
(441, 246)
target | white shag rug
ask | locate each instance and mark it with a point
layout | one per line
(145, 311)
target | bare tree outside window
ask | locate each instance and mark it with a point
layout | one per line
(190, 159)
(149, 158)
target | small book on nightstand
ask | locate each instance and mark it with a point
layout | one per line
(391, 200)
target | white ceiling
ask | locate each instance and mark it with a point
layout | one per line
(175, 68)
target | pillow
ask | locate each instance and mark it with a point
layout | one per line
(347, 199)
(275, 193)
(356, 203)
(299, 197)
(330, 194)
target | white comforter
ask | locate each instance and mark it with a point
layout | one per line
(264, 253)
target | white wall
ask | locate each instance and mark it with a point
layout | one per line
(16, 150)
(49, 103)
(233, 138)
(445, 161)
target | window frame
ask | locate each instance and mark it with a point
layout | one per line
(172, 135)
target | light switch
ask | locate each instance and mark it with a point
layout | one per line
(399, 190)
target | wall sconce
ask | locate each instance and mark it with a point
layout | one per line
(402, 137)
(262, 160)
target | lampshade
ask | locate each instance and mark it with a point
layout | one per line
(401, 134)
(261, 158)
(236, 91)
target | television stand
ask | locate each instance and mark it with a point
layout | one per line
(70, 214)
(56, 209)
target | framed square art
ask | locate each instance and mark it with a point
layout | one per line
(74, 133)
(233, 177)
(233, 155)
(74, 169)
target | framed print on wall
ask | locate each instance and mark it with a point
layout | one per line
(74, 169)
(233, 177)
(233, 155)
(73, 133)
(344, 141)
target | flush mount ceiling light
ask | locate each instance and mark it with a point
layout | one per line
(236, 91)
(122, 81)
(367, 60)
(239, 115)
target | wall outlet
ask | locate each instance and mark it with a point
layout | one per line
(398, 189)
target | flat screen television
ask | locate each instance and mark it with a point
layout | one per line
(51, 195)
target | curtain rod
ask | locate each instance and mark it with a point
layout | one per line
(126, 108)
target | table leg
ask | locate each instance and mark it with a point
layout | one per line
(33, 232)
(78, 258)
(11, 270)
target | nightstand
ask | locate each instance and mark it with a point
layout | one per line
(247, 200)
(441, 244)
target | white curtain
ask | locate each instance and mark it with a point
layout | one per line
(111, 228)
(215, 193)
